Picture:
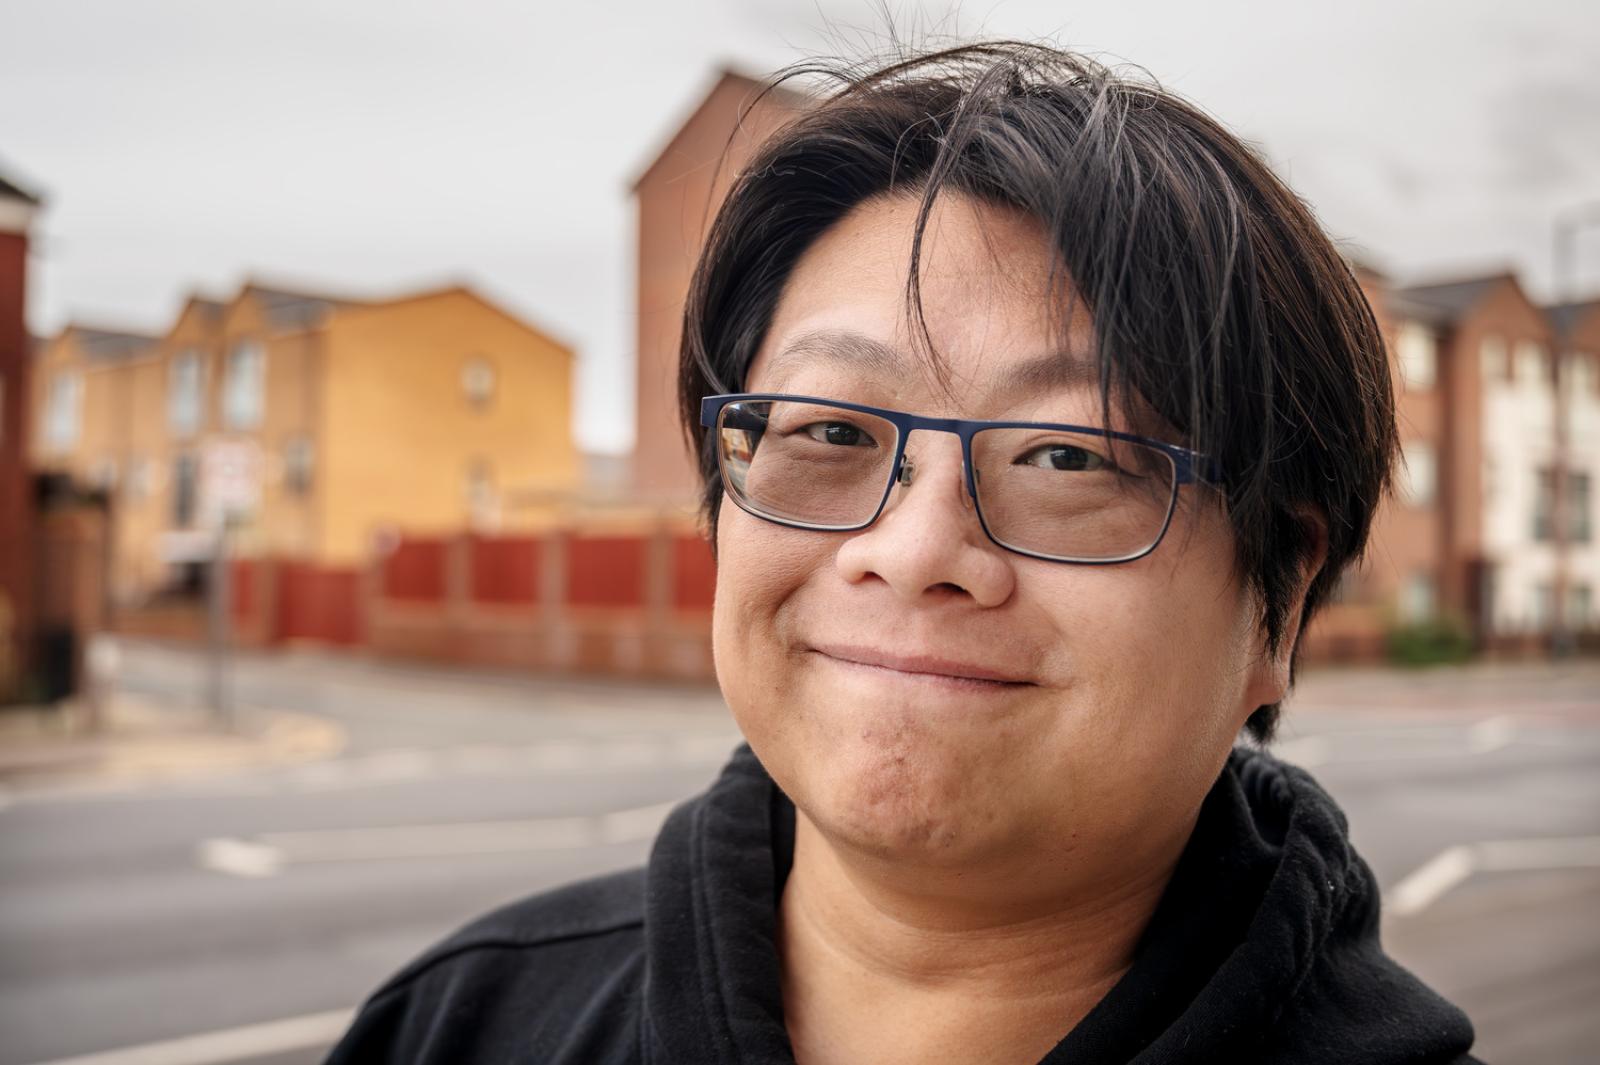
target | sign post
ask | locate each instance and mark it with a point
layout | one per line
(230, 489)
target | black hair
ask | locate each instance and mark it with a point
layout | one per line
(1215, 296)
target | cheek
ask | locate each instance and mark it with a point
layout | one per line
(760, 568)
(1167, 645)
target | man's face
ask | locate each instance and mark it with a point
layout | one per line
(1123, 686)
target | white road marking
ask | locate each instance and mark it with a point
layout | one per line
(268, 853)
(1492, 734)
(1453, 865)
(1510, 855)
(400, 765)
(1482, 737)
(238, 857)
(231, 1044)
(1436, 876)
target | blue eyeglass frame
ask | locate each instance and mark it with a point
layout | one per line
(1189, 467)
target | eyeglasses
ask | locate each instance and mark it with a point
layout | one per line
(1064, 493)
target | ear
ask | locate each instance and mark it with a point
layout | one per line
(1272, 673)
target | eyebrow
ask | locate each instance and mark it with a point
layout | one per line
(844, 347)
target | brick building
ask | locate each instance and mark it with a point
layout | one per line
(315, 422)
(1506, 386)
(17, 210)
(677, 197)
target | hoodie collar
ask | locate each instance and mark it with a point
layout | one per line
(1270, 916)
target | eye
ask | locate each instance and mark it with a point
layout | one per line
(1065, 457)
(841, 434)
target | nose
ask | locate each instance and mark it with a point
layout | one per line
(928, 540)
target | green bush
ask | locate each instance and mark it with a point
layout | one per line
(1430, 643)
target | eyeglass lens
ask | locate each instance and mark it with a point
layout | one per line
(1045, 491)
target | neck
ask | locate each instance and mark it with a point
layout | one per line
(886, 963)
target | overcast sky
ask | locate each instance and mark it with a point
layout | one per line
(374, 146)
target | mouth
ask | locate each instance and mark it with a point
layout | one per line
(931, 669)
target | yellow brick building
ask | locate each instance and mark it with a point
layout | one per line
(315, 423)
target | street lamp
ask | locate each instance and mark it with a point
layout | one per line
(1568, 223)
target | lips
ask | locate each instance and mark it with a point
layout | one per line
(921, 664)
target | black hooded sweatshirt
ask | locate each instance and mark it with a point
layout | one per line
(1264, 948)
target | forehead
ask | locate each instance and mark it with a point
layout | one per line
(999, 321)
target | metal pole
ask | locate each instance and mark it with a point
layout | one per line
(219, 691)
(1560, 636)
(1563, 641)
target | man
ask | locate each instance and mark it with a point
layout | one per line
(1049, 417)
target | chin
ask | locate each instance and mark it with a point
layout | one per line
(885, 793)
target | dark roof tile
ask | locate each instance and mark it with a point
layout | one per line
(1449, 300)
(12, 191)
(1564, 317)
(109, 345)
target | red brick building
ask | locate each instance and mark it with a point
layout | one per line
(677, 196)
(17, 209)
(1507, 388)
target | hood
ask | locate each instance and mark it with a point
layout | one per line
(1265, 946)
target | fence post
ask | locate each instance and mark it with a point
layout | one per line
(458, 577)
(561, 643)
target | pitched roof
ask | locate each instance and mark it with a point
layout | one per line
(108, 345)
(462, 288)
(1565, 317)
(752, 88)
(285, 309)
(10, 190)
(1456, 298)
(1443, 302)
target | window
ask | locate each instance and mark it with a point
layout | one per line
(1579, 507)
(184, 386)
(477, 381)
(1418, 354)
(63, 410)
(136, 485)
(1533, 363)
(103, 474)
(298, 463)
(1580, 606)
(1421, 474)
(1544, 505)
(482, 506)
(1581, 374)
(1418, 597)
(244, 386)
(185, 474)
(1579, 504)
(1492, 353)
(1544, 606)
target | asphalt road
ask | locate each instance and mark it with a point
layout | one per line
(247, 913)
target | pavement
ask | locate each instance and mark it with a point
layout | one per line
(173, 892)
(138, 738)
